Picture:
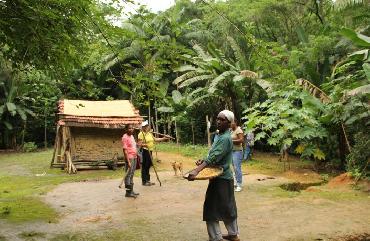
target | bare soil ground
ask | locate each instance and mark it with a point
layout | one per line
(174, 211)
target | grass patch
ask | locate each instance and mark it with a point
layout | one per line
(324, 193)
(338, 195)
(276, 192)
(20, 187)
(297, 186)
(31, 235)
(140, 229)
(193, 151)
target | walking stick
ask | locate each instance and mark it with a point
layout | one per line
(151, 158)
(155, 171)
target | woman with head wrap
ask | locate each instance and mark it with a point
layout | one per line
(219, 204)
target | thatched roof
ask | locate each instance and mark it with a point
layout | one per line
(102, 114)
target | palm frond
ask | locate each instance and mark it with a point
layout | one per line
(200, 51)
(267, 86)
(184, 68)
(111, 63)
(177, 96)
(313, 90)
(161, 38)
(200, 35)
(197, 100)
(194, 80)
(133, 28)
(343, 4)
(196, 91)
(194, 21)
(185, 76)
(238, 53)
(365, 89)
(218, 79)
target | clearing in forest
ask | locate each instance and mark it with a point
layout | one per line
(98, 210)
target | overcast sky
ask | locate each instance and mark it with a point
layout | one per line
(153, 5)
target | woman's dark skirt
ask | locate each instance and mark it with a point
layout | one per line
(219, 204)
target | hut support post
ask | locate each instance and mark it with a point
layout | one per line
(56, 146)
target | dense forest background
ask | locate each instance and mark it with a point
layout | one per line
(296, 73)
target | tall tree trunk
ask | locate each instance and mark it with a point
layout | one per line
(149, 111)
(156, 117)
(192, 131)
(23, 133)
(342, 149)
(45, 130)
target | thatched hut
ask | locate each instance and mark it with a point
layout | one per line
(88, 134)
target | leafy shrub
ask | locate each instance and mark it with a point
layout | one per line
(112, 165)
(29, 147)
(5, 211)
(358, 159)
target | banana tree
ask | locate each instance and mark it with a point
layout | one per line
(211, 76)
(13, 113)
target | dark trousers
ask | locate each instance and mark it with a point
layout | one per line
(129, 176)
(146, 164)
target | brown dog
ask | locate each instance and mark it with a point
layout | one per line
(177, 166)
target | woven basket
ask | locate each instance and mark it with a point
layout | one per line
(207, 173)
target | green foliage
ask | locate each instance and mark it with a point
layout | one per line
(190, 61)
(29, 147)
(193, 151)
(358, 159)
(54, 31)
(21, 188)
(289, 116)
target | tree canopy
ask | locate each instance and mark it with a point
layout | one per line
(296, 73)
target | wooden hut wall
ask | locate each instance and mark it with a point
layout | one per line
(95, 144)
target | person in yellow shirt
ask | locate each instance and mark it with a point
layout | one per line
(147, 142)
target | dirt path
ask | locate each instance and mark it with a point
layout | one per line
(174, 211)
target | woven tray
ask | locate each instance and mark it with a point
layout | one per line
(206, 173)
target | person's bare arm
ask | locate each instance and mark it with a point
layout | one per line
(126, 156)
(161, 139)
(239, 139)
(200, 166)
(141, 143)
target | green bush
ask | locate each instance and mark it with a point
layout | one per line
(29, 147)
(358, 159)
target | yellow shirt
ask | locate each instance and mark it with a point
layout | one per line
(147, 138)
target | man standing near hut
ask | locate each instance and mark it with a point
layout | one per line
(130, 153)
(146, 140)
(219, 204)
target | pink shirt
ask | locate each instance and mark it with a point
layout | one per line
(128, 143)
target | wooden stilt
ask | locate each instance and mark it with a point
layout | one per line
(55, 146)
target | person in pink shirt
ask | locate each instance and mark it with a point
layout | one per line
(130, 153)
